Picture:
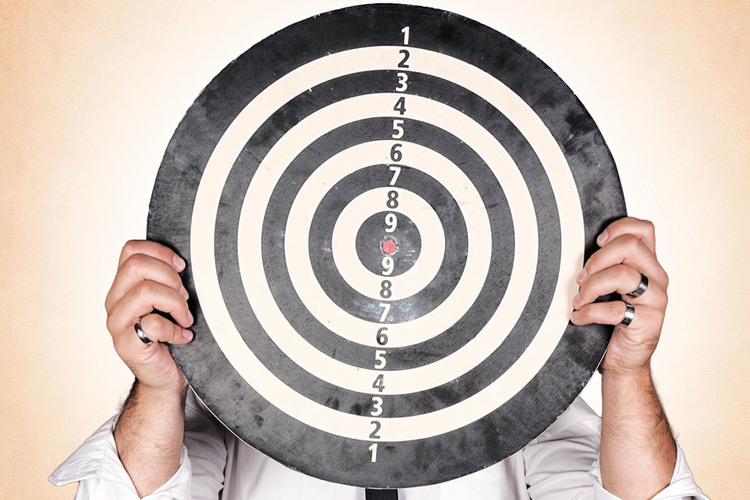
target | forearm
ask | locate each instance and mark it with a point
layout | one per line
(637, 455)
(149, 435)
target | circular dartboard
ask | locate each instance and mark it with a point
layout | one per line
(384, 209)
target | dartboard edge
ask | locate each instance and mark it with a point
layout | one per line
(383, 209)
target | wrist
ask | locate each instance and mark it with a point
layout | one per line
(147, 396)
(632, 374)
(174, 391)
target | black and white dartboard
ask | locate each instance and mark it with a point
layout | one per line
(384, 209)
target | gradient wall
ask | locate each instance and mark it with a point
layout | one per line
(90, 93)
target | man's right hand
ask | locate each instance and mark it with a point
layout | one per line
(148, 280)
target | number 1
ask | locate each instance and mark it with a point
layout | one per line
(405, 31)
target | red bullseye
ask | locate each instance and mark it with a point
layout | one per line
(389, 246)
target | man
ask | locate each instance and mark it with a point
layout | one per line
(158, 449)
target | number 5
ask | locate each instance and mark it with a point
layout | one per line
(398, 129)
(379, 359)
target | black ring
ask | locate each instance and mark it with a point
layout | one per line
(141, 334)
(629, 314)
(642, 286)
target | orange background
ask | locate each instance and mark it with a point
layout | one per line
(90, 93)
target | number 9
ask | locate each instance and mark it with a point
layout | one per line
(387, 265)
(391, 221)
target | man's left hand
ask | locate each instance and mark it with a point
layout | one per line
(628, 251)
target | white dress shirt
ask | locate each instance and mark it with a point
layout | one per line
(562, 463)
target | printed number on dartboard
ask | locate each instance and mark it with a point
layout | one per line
(390, 225)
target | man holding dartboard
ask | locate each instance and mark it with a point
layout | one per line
(362, 259)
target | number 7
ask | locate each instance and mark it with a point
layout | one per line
(396, 171)
(386, 309)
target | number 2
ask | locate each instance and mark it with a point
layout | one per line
(403, 64)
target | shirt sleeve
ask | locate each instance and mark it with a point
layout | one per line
(681, 486)
(564, 462)
(100, 474)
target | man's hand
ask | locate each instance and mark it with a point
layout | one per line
(637, 454)
(628, 248)
(148, 279)
(150, 429)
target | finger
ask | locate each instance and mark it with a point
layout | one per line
(159, 329)
(611, 313)
(142, 299)
(139, 267)
(626, 249)
(622, 279)
(152, 249)
(641, 229)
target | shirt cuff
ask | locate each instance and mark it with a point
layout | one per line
(681, 486)
(97, 467)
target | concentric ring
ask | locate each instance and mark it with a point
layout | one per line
(306, 395)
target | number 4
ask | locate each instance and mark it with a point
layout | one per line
(400, 105)
(379, 383)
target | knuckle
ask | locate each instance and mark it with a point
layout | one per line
(152, 326)
(624, 273)
(150, 322)
(108, 302)
(110, 325)
(143, 291)
(631, 241)
(662, 300)
(143, 288)
(615, 309)
(129, 248)
(135, 264)
(119, 343)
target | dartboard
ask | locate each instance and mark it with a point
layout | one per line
(383, 209)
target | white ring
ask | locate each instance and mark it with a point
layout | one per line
(300, 218)
(344, 245)
(421, 328)
(204, 266)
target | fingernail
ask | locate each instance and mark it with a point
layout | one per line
(602, 239)
(574, 315)
(179, 264)
(184, 293)
(187, 334)
(190, 317)
(577, 300)
(581, 276)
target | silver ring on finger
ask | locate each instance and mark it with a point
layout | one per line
(629, 314)
(642, 287)
(141, 334)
